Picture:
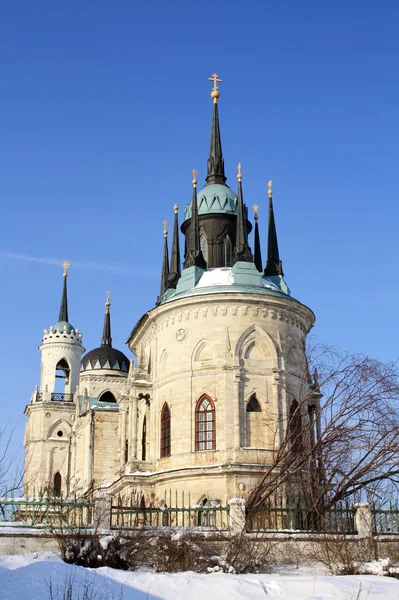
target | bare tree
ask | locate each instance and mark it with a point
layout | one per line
(341, 436)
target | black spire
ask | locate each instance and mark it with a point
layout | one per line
(165, 264)
(175, 269)
(274, 266)
(63, 316)
(106, 339)
(242, 251)
(215, 160)
(257, 253)
(194, 257)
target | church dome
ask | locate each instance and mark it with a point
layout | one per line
(105, 357)
(214, 198)
(63, 326)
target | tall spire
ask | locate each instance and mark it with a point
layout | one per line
(215, 160)
(165, 263)
(175, 269)
(274, 266)
(257, 249)
(194, 257)
(242, 251)
(63, 316)
(106, 339)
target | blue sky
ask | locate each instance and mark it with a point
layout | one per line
(105, 110)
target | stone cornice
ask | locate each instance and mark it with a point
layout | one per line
(221, 305)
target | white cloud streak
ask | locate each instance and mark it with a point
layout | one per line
(106, 267)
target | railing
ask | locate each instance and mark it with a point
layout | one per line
(333, 520)
(56, 396)
(126, 514)
(385, 521)
(42, 513)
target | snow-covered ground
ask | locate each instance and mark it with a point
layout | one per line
(28, 577)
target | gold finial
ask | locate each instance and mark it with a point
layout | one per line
(175, 208)
(270, 191)
(195, 173)
(108, 302)
(65, 265)
(239, 174)
(255, 208)
(215, 91)
(165, 228)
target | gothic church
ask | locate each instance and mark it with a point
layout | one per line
(201, 400)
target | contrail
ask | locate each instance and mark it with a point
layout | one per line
(106, 267)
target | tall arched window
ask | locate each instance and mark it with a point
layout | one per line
(205, 430)
(165, 431)
(295, 428)
(204, 247)
(227, 251)
(57, 485)
(144, 439)
(62, 372)
(255, 432)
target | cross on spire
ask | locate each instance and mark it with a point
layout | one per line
(165, 227)
(108, 302)
(65, 265)
(215, 90)
(195, 173)
(270, 190)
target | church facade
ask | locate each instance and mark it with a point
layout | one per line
(214, 372)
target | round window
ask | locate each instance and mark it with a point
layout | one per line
(60, 433)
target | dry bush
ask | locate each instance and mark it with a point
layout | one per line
(342, 555)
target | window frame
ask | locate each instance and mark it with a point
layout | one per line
(165, 441)
(205, 444)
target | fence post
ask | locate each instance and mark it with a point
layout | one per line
(237, 515)
(102, 510)
(363, 520)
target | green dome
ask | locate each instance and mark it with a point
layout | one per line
(214, 198)
(60, 327)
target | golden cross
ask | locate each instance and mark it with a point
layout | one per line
(215, 91)
(239, 174)
(216, 80)
(65, 265)
(269, 185)
(175, 208)
(108, 303)
(165, 224)
(195, 173)
(255, 208)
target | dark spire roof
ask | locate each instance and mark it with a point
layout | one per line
(215, 160)
(257, 249)
(175, 268)
(194, 257)
(165, 264)
(242, 251)
(63, 316)
(106, 339)
(274, 266)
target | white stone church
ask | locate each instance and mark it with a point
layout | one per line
(202, 396)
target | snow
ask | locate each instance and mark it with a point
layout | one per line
(27, 578)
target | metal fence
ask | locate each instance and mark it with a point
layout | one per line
(45, 512)
(385, 521)
(333, 520)
(211, 515)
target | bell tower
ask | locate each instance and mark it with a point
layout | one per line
(52, 407)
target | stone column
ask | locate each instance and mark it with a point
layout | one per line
(123, 456)
(102, 510)
(363, 520)
(237, 515)
(236, 408)
(133, 421)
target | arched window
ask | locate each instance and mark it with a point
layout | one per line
(295, 428)
(144, 439)
(57, 485)
(107, 397)
(165, 431)
(227, 251)
(126, 451)
(62, 371)
(204, 247)
(255, 425)
(205, 431)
